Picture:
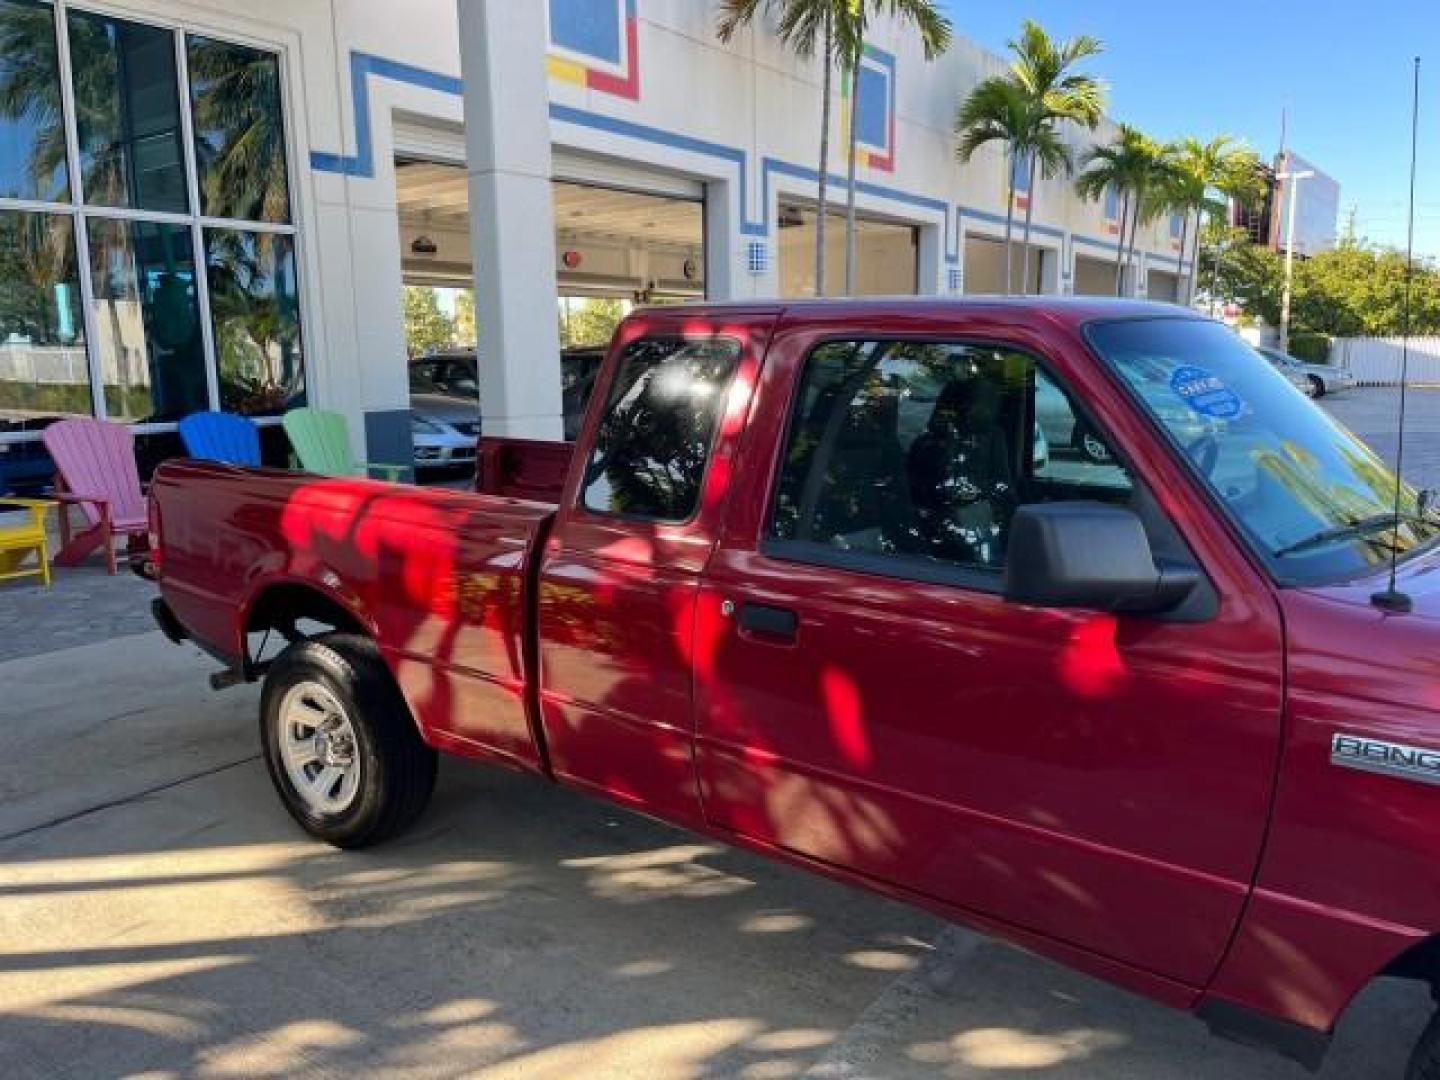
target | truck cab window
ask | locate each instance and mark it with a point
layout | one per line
(921, 452)
(654, 441)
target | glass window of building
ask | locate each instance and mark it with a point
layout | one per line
(255, 308)
(239, 131)
(32, 129)
(110, 213)
(43, 368)
(127, 107)
(147, 323)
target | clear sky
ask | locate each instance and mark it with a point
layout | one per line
(1341, 70)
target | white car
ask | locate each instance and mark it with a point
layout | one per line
(1316, 380)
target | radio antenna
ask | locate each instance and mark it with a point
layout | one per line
(1391, 599)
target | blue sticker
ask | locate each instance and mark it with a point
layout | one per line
(1207, 394)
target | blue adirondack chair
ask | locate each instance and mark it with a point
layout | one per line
(215, 436)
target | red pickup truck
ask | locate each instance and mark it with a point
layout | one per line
(1054, 617)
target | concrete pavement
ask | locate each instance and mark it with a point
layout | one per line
(1372, 413)
(160, 916)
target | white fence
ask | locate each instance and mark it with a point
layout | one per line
(1376, 361)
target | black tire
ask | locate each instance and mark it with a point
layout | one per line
(396, 769)
(1317, 386)
(1425, 1059)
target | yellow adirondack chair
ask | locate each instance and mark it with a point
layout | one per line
(18, 542)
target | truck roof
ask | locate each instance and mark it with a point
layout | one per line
(1070, 311)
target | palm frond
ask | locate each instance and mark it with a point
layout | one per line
(736, 14)
(997, 110)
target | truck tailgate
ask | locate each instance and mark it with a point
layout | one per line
(441, 578)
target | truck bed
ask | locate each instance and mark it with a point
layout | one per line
(441, 579)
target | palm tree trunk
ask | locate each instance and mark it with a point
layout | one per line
(1194, 261)
(1181, 279)
(1130, 254)
(850, 179)
(1009, 230)
(1214, 275)
(1029, 213)
(827, 58)
(1120, 247)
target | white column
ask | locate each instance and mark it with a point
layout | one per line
(512, 215)
(725, 276)
(930, 261)
(1050, 279)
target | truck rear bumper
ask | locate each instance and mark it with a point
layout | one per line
(167, 622)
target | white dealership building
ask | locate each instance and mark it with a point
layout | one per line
(206, 204)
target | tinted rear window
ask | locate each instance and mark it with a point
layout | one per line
(658, 426)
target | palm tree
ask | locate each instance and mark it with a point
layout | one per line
(805, 26)
(1242, 179)
(1133, 164)
(1023, 110)
(997, 110)
(1044, 69)
(1200, 170)
(934, 29)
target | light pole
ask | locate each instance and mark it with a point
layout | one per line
(1292, 191)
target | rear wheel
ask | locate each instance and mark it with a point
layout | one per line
(1425, 1060)
(1317, 386)
(340, 744)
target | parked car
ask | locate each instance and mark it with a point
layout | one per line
(1144, 716)
(1316, 380)
(444, 429)
(451, 372)
(25, 467)
(1055, 419)
(456, 373)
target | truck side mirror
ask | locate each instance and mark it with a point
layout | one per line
(1089, 555)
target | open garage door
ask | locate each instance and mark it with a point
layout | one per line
(628, 245)
(887, 254)
(1094, 277)
(614, 247)
(985, 266)
(1162, 285)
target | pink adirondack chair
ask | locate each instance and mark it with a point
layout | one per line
(95, 470)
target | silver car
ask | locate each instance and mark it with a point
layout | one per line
(1316, 380)
(444, 430)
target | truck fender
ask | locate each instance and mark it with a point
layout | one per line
(322, 582)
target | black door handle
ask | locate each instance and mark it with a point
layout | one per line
(763, 620)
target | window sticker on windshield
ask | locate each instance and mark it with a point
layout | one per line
(1207, 394)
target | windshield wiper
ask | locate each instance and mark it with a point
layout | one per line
(1349, 531)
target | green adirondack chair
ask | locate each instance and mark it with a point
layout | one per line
(321, 440)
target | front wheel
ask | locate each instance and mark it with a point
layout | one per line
(1425, 1060)
(1317, 386)
(340, 744)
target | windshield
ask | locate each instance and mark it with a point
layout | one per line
(1315, 502)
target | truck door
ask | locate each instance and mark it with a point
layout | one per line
(636, 527)
(868, 699)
